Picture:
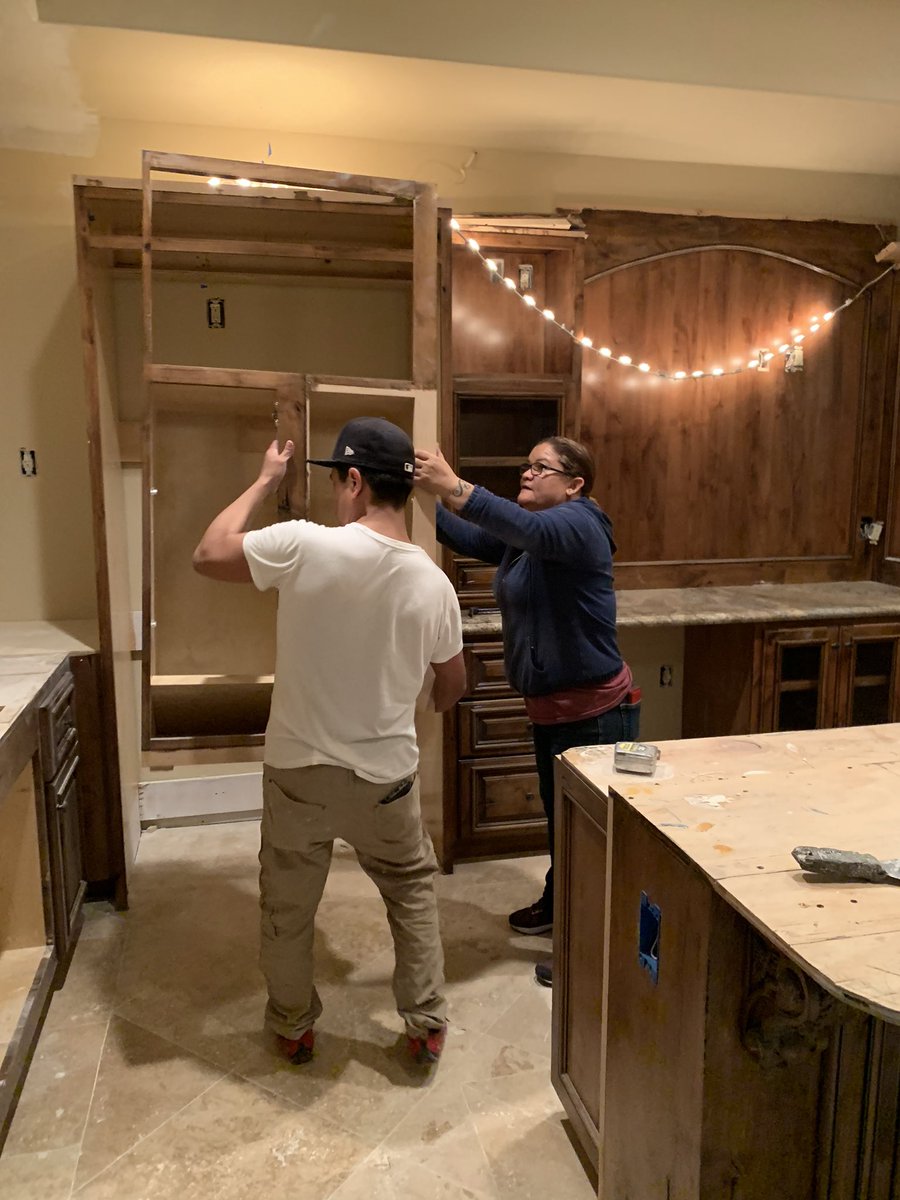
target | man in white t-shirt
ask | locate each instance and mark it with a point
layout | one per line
(363, 615)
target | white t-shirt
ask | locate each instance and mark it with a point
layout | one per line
(360, 617)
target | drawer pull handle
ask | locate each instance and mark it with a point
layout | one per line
(529, 796)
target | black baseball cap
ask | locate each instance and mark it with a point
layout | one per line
(375, 443)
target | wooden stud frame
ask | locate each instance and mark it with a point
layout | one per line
(420, 196)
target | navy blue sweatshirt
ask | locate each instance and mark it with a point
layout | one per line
(554, 587)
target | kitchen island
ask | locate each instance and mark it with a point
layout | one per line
(725, 1024)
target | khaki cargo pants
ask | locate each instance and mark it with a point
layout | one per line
(304, 810)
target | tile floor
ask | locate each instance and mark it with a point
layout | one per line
(153, 1079)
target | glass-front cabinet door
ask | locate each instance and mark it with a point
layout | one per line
(869, 687)
(799, 669)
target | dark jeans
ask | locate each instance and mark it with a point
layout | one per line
(620, 724)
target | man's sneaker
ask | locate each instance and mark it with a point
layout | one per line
(543, 974)
(297, 1050)
(427, 1049)
(537, 918)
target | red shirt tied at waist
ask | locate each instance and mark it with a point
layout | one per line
(588, 700)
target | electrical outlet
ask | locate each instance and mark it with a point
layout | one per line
(215, 312)
(666, 675)
(27, 462)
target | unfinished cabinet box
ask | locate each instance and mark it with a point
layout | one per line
(218, 316)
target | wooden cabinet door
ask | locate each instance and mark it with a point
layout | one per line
(579, 921)
(799, 668)
(868, 687)
(65, 834)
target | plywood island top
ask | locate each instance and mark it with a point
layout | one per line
(737, 806)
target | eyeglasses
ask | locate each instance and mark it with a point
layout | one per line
(538, 469)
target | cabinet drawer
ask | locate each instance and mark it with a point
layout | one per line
(494, 727)
(473, 580)
(500, 793)
(484, 670)
(57, 725)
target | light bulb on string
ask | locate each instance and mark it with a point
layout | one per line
(759, 361)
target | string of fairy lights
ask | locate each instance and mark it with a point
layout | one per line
(759, 357)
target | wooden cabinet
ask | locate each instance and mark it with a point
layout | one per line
(42, 876)
(579, 911)
(768, 679)
(59, 767)
(725, 1031)
(489, 774)
(822, 676)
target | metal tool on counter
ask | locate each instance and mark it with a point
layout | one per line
(638, 758)
(848, 865)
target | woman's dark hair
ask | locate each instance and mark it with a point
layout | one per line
(386, 489)
(576, 458)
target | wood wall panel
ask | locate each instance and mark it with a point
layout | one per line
(493, 331)
(891, 468)
(751, 477)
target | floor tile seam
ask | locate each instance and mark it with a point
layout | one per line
(335, 1125)
(494, 1194)
(90, 1104)
(445, 1178)
(134, 1145)
(518, 1046)
(179, 1045)
(473, 1083)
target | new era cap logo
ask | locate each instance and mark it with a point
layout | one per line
(408, 468)
(348, 450)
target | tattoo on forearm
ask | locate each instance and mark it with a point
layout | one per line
(461, 488)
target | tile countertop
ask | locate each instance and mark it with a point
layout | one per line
(760, 602)
(30, 651)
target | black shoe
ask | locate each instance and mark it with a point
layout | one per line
(543, 974)
(537, 918)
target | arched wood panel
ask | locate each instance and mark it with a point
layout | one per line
(757, 476)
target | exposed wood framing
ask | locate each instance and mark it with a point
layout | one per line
(353, 252)
(223, 168)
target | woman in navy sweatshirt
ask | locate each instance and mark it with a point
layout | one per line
(554, 587)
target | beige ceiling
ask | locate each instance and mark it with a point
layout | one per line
(132, 74)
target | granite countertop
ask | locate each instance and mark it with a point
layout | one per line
(757, 603)
(30, 651)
